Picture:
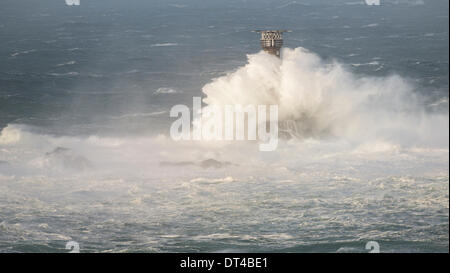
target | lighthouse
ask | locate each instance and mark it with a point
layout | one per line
(272, 41)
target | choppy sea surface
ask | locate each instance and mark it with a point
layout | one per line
(86, 156)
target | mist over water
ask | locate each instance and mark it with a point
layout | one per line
(364, 158)
(85, 152)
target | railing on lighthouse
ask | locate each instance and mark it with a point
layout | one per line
(272, 41)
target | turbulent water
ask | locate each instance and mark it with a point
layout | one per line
(85, 153)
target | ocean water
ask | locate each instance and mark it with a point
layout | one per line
(86, 155)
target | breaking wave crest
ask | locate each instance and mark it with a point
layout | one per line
(319, 99)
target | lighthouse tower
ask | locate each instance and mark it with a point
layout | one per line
(272, 41)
